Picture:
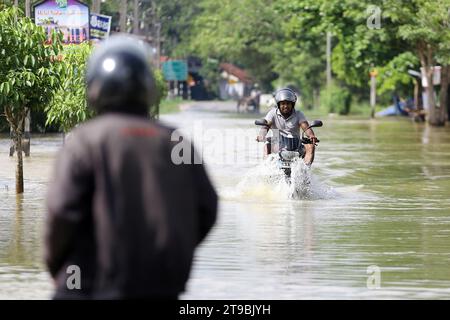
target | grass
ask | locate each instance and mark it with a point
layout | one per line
(171, 105)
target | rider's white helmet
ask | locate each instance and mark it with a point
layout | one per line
(285, 94)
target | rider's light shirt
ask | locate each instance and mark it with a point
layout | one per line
(291, 124)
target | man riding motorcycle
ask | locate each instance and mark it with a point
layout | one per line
(285, 117)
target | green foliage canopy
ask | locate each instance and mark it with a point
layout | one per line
(29, 72)
(69, 106)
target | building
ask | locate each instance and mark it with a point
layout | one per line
(235, 83)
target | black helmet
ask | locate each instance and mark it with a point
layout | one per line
(285, 94)
(119, 77)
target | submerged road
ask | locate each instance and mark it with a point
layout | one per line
(375, 223)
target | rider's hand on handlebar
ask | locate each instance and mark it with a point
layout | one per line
(314, 140)
(260, 139)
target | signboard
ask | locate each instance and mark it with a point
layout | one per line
(69, 16)
(100, 26)
(175, 70)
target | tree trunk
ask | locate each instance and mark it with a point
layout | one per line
(11, 144)
(26, 142)
(425, 52)
(16, 121)
(19, 167)
(416, 94)
(437, 112)
(430, 96)
(443, 95)
(123, 16)
(448, 104)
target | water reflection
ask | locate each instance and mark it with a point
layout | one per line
(22, 274)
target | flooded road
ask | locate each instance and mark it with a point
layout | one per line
(375, 223)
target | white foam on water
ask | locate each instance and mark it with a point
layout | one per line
(268, 183)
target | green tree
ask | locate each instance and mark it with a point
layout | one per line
(425, 26)
(161, 89)
(29, 73)
(394, 75)
(409, 32)
(238, 31)
(300, 53)
(360, 47)
(69, 106)
(177, 18)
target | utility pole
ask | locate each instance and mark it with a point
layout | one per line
(136, 17)
(158, 45)
(373, 93)
(28, 8)
(123, 16)
(328, 58)
(96, 6)
(155, 35)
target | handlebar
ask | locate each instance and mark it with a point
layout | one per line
(308, 141)
(303, 140)
(261, 122)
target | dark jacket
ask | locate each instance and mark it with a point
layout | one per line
(121, 210)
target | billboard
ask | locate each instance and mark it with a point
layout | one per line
(69, 16)
(100, 26)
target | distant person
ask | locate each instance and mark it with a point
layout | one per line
(400, 105)
(409, 105)
(256, 97)
(119, 210)
(284, 116)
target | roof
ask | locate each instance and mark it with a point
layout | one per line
(239, 73)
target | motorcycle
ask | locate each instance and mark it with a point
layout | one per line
(291, 148)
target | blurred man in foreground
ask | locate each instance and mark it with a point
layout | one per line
(121, 214)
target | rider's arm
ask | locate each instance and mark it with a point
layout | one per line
(309, 132)
(264, 130)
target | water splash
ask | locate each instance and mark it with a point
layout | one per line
(268, 182)
(305, 185)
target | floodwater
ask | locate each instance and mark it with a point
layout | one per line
(374, 222)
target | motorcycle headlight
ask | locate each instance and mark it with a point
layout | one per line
(289, 155)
